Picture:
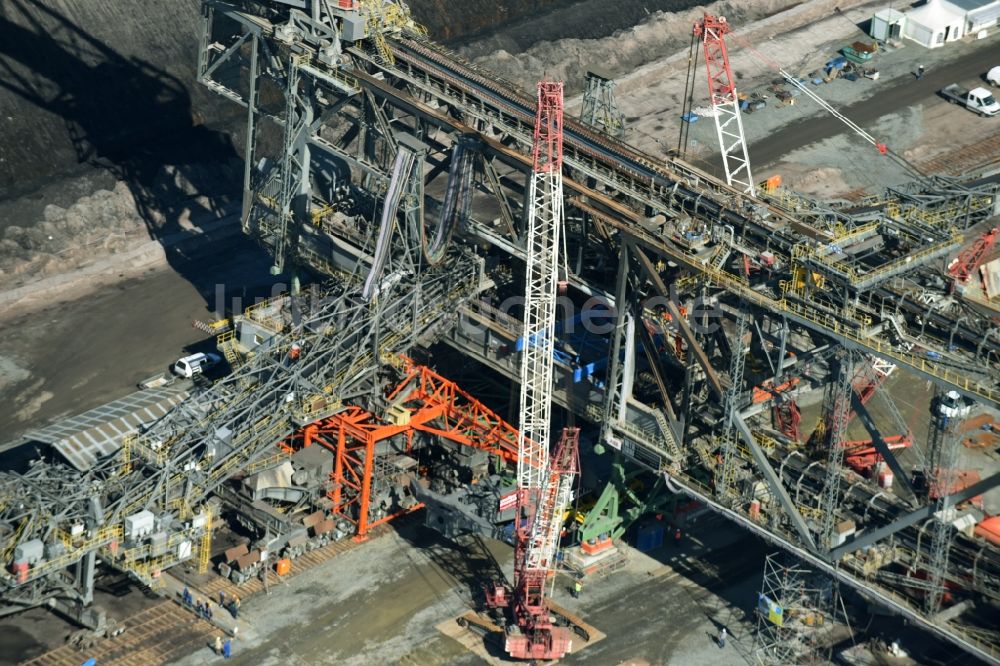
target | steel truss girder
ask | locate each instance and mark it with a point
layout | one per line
(703, 204)
(837, 411)
(712, 204)
(630, 229)
(512, 158)
(830, 566)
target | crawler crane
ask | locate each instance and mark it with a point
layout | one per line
(544, 485)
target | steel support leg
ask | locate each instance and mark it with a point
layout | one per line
(618, 335)
(879, 443)
(774, 481)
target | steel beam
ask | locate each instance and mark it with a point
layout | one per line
(914, 517)
(863, 588)
(682, 325)
(614, 365)
(879, 443)
(774, 481)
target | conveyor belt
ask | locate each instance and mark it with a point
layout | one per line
(663, 185)
(401, 170)
(457, 200)
(623, 159)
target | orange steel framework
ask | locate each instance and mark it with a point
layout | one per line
(964, 264)
(432, 404)
(442, 408)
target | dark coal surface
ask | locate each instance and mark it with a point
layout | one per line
(100, 83)
(96, 84)
(579, 19)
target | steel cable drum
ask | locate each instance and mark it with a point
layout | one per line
(457, 201)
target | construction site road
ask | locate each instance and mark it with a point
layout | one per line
(72, 356)
(889, 99)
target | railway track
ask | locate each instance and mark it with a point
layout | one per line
(156, 635)
(301, 564)
(966, 159)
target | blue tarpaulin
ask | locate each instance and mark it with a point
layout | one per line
(837, 63)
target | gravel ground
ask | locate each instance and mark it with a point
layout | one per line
(380, 604)
(58, 239)
(919, 128)
(625, 51)
(802, 39)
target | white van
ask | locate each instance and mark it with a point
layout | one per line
(189, 366)
(993, 76)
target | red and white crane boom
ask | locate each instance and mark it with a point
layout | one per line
(544, 486)
(725, 102)
(545, 221)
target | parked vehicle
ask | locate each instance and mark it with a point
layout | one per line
(978, 100)
(195, 364)
(993, 76)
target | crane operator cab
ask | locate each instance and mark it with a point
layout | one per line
(953, 405)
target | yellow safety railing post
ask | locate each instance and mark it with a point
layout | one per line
(205, 549)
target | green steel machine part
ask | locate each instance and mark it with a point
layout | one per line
(607, 515)
(603, 518)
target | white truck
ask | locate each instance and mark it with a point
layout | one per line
(978, 100)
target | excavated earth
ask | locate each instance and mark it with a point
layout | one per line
(107, 141)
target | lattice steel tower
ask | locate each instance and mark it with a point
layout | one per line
(725, 103)
(545, 221)
(599, 106)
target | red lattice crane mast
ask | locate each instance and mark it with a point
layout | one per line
(712, 31)
(725, 102)
(530, 632)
